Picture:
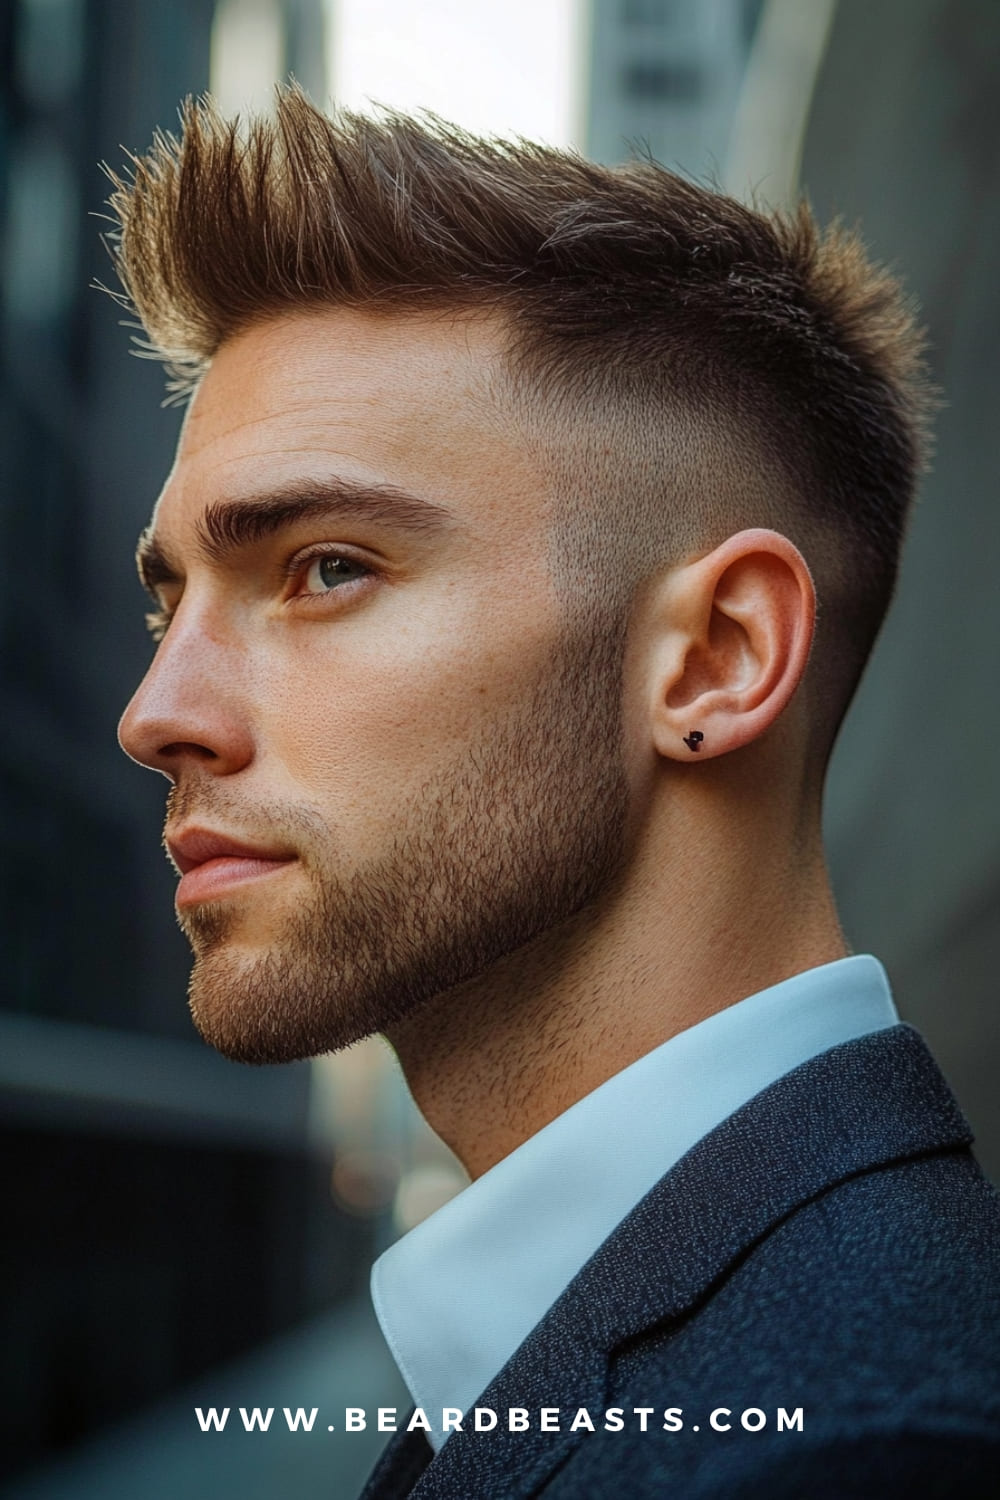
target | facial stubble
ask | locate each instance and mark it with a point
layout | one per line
(517, 834)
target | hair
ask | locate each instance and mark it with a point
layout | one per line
(686, 364)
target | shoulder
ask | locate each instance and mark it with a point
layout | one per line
(882, 1293)
(852, 1351)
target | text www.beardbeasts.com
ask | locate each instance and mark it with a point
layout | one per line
(516, 1419)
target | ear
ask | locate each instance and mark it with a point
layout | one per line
(734, 629)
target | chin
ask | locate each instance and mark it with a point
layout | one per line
(253, 1008)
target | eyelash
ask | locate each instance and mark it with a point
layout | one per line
(158, 620)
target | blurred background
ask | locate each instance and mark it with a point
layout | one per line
(179, 1230)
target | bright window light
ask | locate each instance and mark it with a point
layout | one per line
(503, 67)
(248, 55)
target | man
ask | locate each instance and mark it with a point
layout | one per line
(530, 527)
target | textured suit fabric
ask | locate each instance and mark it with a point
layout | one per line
(831, 1246)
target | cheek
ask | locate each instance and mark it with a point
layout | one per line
(360, 719)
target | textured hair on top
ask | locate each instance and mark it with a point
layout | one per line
(770, 364)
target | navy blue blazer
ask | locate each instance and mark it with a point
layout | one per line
(831, 1247)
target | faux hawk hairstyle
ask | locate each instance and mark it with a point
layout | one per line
(707, 365)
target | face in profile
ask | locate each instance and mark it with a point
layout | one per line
(395, 755)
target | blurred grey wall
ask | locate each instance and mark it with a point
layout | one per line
(904, 135)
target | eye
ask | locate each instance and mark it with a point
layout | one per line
(330, 571)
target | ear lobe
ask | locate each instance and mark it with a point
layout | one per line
(736, 629)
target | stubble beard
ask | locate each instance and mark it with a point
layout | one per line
(516, 836)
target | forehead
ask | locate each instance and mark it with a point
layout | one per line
(411, 401)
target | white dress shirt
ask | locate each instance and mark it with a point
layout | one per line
(458, 1294)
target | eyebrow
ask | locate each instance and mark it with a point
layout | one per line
(227, 526)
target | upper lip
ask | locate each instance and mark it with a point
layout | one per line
(194, 846)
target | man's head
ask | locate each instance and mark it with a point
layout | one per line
(460, 409)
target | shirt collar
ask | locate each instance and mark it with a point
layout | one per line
(458, 1294)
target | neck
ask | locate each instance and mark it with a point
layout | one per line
(493, 1061)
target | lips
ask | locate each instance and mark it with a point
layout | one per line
(212, 864)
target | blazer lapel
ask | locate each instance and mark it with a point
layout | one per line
(853, 1109)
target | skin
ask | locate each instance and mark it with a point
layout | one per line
(317, 720)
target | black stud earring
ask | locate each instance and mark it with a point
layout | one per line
(694, 739)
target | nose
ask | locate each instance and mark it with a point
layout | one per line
(189, 708)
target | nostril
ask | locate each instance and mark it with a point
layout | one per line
(185, 749)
